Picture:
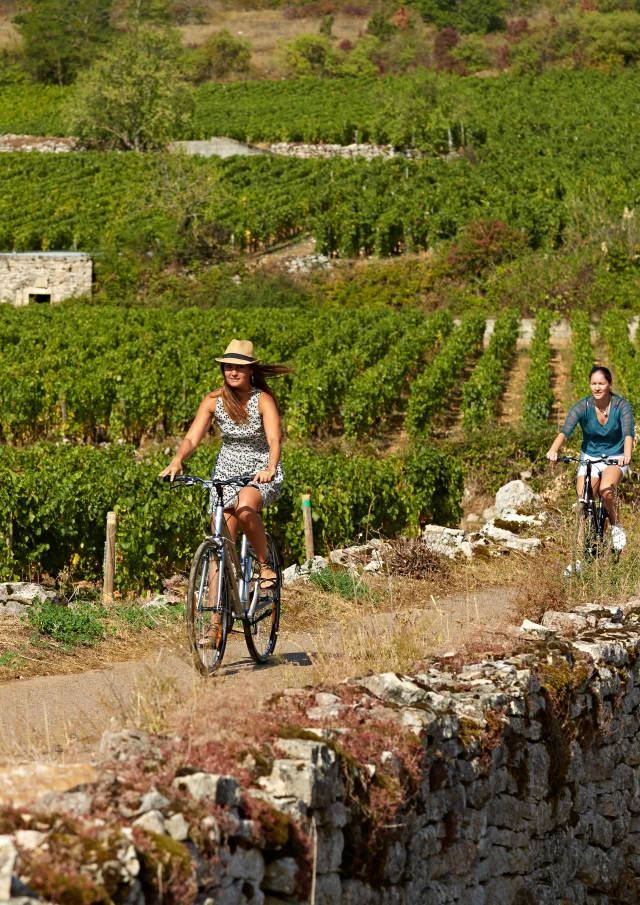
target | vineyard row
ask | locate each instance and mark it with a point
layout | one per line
(92, 374)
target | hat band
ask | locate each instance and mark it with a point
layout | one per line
(231, 356)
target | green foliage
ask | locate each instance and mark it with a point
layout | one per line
(27, 109)
(466, 15)
(614, 328)
(60, 37)
(225, 53)
(607, 42)
(473, 52)
(84, 372)
(538, 394)
(380, 26)
(56, 499)
(316, 55)
(326, 368)
(343, 583)
(373, 395)
(481, 393)
(429, 391)
(68, 625)
(498, 453)
(582, 353)
(135, 96)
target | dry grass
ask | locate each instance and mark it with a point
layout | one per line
(9, 35)
(393, 621)
(264, 28)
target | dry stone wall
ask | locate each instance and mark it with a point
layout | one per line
(511, 781)
(50, 276)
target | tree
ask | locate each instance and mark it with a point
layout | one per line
(60, 37)
(136, 95)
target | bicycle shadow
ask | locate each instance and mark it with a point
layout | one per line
(246, 664)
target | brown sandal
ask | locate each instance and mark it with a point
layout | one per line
(212, 637)
(267, 585)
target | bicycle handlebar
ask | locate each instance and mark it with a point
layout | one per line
(187, 480)
(610, 460)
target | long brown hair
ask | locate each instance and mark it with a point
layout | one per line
(259, 376)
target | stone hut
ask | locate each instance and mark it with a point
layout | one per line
(44, 276)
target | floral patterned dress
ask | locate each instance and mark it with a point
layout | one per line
(245, 450)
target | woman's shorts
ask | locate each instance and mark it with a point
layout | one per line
(598, 467)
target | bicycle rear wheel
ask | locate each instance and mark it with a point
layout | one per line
(261, 631)
(209, 620)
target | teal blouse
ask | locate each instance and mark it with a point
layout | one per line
(601, 439)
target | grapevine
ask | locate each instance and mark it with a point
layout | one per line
(430, 389)
(56, 502)
(374, 394)
(484, 388)
(582, 352)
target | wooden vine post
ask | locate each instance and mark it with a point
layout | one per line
(308, 526)
(109, 559)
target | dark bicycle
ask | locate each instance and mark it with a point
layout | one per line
(590, 539)
(225, 588)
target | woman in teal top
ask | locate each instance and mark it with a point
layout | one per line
(607, 426)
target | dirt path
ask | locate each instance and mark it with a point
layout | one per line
(563, 391)
(63, 716)
(511, 405)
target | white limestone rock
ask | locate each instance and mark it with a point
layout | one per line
(221, 789)
(8, 855)
(509, 540)
(537, 631)
(449, 542)
(301, 573)
(515, 495)
(152, 822)
(564, 623)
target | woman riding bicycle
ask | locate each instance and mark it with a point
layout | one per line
(246, 412)
(607, 432)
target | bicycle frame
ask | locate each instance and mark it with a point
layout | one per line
(238, 569)
(595, 507)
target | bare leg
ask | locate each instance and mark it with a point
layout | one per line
(246, 514)
(611, 478)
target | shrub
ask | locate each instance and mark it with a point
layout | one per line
(60, 39)
(307, 55)
(466, 15)
(473, 53)
(225, 54)
(483, 245)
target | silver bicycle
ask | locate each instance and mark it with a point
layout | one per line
(224, 588)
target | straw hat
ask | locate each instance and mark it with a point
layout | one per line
(239, 352)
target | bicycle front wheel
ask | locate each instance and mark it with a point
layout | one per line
(209, 619)
(585, 538)
(261, 631)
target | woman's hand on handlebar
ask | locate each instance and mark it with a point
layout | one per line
(265, 475)
(173, 468)
(552, 455)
